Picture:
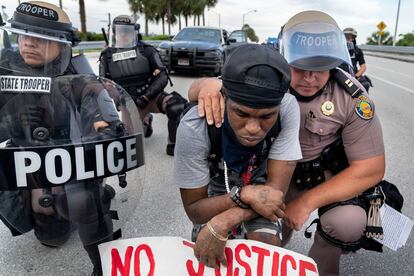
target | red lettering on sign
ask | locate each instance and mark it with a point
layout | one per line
(229, 257)
(189, 244)
(117, 264)
(260, 259)
(305, 265)
(137, 260)
(283, 264)
(275, 264)
(245, 265)
(191, 271)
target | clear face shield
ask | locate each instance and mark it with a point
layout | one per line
(124, 36)
(315, 46)
(72, 158)
(34, 54)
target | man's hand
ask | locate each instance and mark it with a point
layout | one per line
(208, 249)
(264, 200)
(211, 102)
(297, 213)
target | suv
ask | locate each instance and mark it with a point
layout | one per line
(198, 49)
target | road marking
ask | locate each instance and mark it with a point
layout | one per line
(391, 71)
(392, 83)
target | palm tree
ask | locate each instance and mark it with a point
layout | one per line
(376, 39)
(135, 6)
(209, 4)
(82, 15)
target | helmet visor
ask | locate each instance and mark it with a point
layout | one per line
(315, 46)
(125, 36)
(31, 53)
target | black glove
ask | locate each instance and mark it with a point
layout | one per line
(115, 129)
(141, 102)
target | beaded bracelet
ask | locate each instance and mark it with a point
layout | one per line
(214, 233)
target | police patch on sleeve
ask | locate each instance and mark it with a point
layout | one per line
(364, 108)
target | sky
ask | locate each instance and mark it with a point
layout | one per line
(363, 15)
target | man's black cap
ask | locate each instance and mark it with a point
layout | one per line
(255, 75)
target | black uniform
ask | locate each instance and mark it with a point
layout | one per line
(133, 70)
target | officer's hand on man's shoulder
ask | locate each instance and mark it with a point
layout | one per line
(211, 101)
(264, 200)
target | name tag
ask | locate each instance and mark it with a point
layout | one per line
(315, 42)
(124, 55)
(17, 84)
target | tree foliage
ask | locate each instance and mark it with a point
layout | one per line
(251, 34)
(385, 39)
(406, 39)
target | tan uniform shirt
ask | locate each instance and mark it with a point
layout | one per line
(351, 119)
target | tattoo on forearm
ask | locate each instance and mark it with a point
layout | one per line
(263, 195)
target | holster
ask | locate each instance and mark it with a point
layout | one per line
(309, 174)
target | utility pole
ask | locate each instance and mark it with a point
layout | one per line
(396, 24)
(244, 14)
(219, 17)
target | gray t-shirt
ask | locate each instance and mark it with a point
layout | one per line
(192, 148)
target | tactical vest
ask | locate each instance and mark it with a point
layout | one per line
(129, 68)
(256, 171)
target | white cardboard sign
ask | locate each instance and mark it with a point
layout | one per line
(175, 256)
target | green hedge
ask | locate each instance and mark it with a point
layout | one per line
(91, 36)
(156, 37)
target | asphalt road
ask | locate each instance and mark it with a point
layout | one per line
(160, 212)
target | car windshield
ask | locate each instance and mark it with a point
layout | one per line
(239, 36)
(209, 35)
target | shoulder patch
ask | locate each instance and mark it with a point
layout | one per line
(364, 108)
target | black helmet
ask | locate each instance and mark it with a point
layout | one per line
(126, 25)
(45, 19)
(312, 40)
(350, 31)
(44, 37)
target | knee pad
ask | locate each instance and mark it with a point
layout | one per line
(175, 105)
(86, 203)
(51, 229)
(345, 246)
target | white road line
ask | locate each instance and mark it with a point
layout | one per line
(391, 71)
(392, 83)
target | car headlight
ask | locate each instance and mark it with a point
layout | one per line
(214, 54)
(162, 51)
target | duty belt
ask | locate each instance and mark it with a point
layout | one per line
(309, 174)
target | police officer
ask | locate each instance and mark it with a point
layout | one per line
(137, 67)
(340, 137)
(45, 113)
(357, 57)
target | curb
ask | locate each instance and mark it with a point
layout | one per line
(400, 58)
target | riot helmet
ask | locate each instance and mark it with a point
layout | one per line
(350, 31)
(312, 41)
(37, 41)
(124, 32)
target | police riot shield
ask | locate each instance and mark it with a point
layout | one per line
(71, 157)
